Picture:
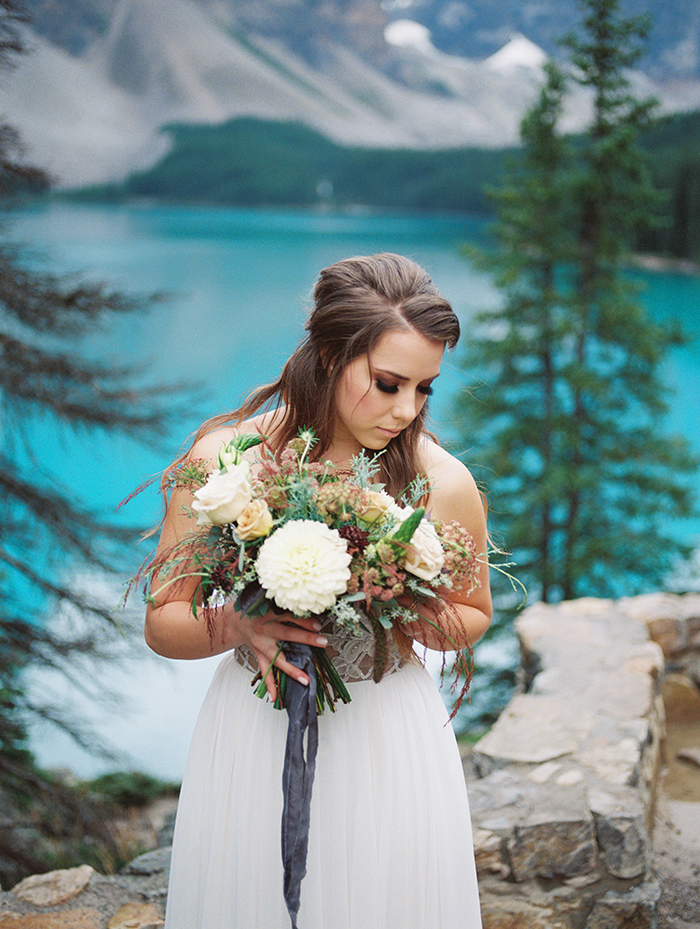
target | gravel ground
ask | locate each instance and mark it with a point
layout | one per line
(677, 833)
(677, 858)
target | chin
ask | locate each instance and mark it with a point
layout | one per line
(376, 445)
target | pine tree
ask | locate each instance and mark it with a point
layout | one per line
(569, 425)
(46, 537)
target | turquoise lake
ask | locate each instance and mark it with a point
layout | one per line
(239, 284)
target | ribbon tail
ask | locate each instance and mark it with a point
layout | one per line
(298, 773)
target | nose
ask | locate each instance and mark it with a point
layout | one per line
(405, 407)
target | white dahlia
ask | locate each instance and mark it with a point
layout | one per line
(304, 566)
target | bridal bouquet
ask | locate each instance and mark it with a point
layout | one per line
(302, 537)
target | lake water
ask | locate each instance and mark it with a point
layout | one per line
(240, 284)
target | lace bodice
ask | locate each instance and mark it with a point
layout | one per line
(352, 655)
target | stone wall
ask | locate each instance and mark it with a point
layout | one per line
(563, 787)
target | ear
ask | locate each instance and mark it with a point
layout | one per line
(327, 364)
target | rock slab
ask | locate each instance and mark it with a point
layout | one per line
(54, 887)
(69, 919)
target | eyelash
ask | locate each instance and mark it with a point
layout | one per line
(393, 388)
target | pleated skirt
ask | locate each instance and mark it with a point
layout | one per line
(390, 843)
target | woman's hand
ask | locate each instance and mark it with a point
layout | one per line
(263, 635)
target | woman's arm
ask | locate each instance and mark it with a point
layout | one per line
(455, 496)
(173, 631)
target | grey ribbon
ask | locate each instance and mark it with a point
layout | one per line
(298, 773)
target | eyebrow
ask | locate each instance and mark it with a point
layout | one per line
(402, 377)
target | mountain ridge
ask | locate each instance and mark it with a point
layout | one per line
(101, 83)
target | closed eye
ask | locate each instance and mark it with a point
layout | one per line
(394, 389)
(387, 388)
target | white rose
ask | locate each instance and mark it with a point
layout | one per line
(224, 496)
(304, 566)
(425, 556)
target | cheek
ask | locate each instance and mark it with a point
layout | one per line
(354, 395)
(373, 405)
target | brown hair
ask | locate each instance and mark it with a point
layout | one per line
(356, 301)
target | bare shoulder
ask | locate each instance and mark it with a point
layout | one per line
(443, 469)
(453, 493)
(208, 445)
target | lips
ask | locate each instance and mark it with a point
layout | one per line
(391, 433)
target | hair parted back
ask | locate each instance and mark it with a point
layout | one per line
(356, 301)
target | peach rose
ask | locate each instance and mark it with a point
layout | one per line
(374, 504)
(255, 521)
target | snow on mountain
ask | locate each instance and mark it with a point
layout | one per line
(519, 52)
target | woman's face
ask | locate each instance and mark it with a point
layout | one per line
(379, 394)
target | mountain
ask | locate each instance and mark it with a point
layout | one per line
(106, 76)
(478, 28)
(475, 29)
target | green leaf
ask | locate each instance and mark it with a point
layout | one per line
(248, 440)
(404, 533)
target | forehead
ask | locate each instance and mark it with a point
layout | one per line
(408, 354)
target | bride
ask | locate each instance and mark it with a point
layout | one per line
(390, 843)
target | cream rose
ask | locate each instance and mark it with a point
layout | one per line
(224, 496)
(304, 566)
(255, 521)
(425, 556)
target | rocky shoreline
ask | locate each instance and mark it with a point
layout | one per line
(80, 898)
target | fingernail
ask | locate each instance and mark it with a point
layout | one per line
(317, 625)
(321, 640)
(303, 680)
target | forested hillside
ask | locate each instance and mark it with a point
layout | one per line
(250, 162)
(674, 155)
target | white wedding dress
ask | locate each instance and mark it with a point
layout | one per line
(390, 842)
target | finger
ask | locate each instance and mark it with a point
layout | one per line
(311, 623)
(292, 671)
(415, 631)
(267, 676)
(278, 661)
(290, 633)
